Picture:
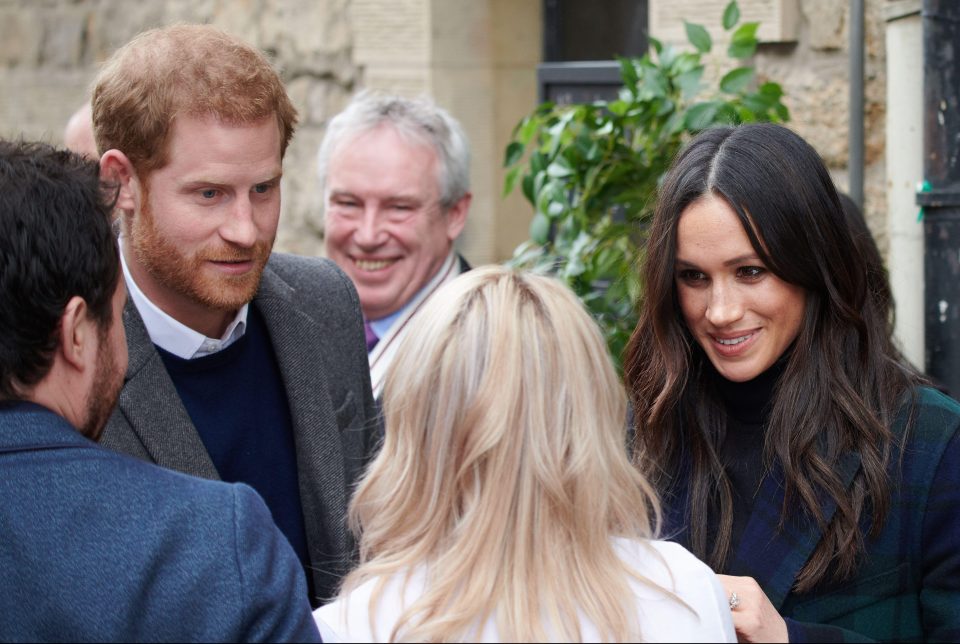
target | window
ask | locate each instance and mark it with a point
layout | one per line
(577, 30)
(581, 39)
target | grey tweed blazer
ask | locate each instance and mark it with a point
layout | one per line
(312, 315)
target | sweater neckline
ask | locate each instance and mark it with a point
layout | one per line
(750, 402)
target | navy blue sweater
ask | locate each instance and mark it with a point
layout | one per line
(237, 402)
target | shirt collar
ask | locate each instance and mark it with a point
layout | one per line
(173, 336)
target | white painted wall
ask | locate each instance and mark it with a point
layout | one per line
(904, 134)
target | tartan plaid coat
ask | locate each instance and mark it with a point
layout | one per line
(907, 587)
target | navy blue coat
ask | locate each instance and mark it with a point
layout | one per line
(95, 545)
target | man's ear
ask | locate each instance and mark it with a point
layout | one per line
(78, 333)
(457, 216)
(116, 167)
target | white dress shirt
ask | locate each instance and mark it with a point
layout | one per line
(173, 336)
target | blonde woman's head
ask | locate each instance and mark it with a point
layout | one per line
(504, 465)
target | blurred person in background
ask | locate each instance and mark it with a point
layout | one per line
(78, 133)
(395, 175)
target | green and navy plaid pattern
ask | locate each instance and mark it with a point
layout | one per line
(907, 587)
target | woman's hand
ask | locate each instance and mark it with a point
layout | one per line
(754, 617)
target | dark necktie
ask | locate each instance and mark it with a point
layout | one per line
(372, 338)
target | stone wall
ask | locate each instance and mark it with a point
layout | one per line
(50, 49)
(477, 57)
(810, 59)
(815, 73)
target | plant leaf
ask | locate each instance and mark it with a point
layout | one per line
(540, 228)
(685, 62)
(702, 115)
(618, 107)
(745, 50)
(514, 153)
(771, 90)
(666, 107)
(510, 181)
(527, 187)
(689, 82)
(747, 31)
(560, 168)
(731, 15)
(628, 73)
(743, 44)
(737, 80)
(538, 162)
(727, 113)
(698, 37)
(654, 85)
(527, 129)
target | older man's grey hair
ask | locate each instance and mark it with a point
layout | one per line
(418, 120)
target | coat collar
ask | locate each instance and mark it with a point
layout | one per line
(28, 426)
(149, 394)
(775, 558)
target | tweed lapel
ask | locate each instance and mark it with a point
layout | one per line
(775, 558)
(151, 404)
(298, 344)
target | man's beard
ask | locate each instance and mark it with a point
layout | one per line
(107, 383)
(188, 275)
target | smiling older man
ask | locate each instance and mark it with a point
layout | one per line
(395, 174)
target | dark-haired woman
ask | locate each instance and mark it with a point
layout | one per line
(796, 452)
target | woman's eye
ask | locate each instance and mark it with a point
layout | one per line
(750, 272)
(691, 276)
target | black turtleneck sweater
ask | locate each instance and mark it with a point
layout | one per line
(748, 405)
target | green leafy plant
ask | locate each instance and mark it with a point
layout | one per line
(591, 171)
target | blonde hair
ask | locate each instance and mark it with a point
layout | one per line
(504, 469)
(197, 70)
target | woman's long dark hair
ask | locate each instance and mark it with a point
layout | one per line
(842, 383)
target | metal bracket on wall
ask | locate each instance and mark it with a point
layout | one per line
(939, 198)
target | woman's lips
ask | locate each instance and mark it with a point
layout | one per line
(731, 345)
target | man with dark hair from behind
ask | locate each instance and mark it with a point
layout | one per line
(95, 545)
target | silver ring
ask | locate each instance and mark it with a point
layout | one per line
(734, 601)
